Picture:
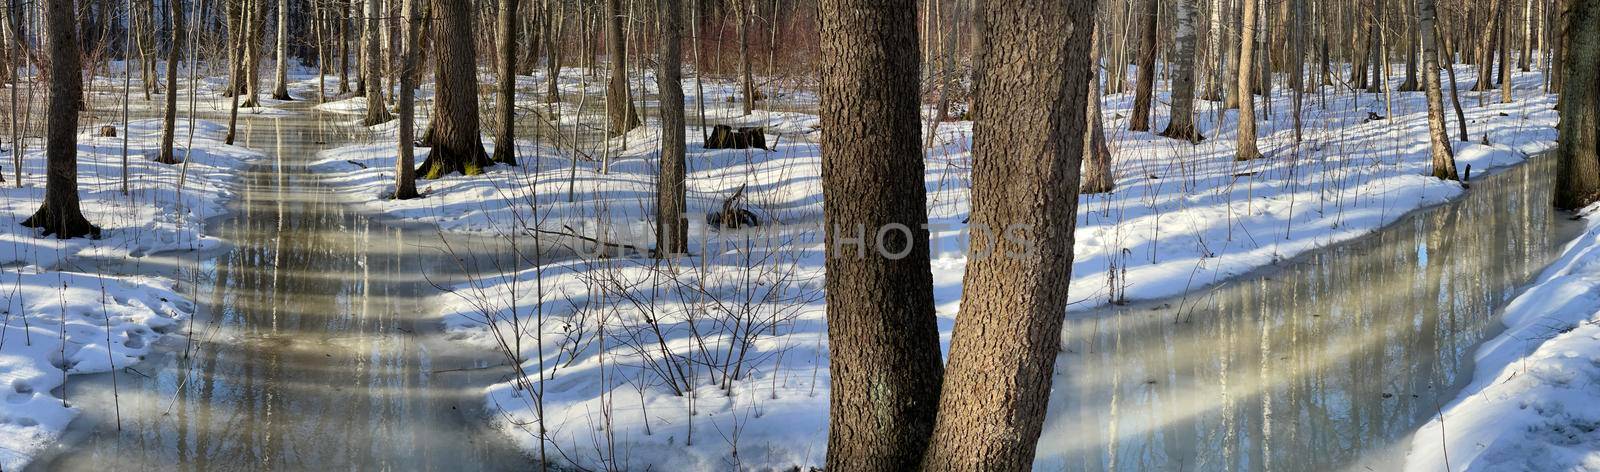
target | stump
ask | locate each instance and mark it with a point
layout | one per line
(727, 137)
(108, 131)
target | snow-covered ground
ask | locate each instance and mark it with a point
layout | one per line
(1533, 403)
(719, 360)
(58, 322)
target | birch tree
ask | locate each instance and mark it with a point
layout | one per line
(1181, 125)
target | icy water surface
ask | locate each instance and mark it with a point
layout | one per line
(311, 349)
(1327, 362)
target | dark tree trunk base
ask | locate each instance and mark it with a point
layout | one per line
(1186, 133)
(504, 155)
(63, 225)
(440, 164)
(284, 96)
(727, 137)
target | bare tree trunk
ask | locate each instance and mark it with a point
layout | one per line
(405, 177)
(672, 229)
(1444, 161)
(344, 46)
(318, 17)
(174, 56)
(553, 21)
(60, 214)
(882, 332)
(620, 114)
(748, 83)
(1139, 120)
(280, 89)
(1449, 54)
(377, 109)
(1505, 58)
(454, 134)
(505, 142)
(1097, 176)
(1247, 102)
(236, 19)
(1578, 165)
(1214, 53)
(1411, 84)
(1231, 101)
(1181, 125)
(1027, 145)
(1485, 54)
(255, 22)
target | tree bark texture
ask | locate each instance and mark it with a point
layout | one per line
(1029, 95)
(882, 331)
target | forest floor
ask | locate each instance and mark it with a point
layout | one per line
(719, 359)
(62, 314)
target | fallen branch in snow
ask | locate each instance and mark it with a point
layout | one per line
(572, 233)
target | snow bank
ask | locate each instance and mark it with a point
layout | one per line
(151, 217)
(60, 323)
(1532, 403)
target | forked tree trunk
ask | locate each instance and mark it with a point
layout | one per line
(1578, 166)
(1411, 84)
(1247, 102)
(377, 109)
(405, 177)
(454, 133)
(254, 27)
(672, 229)
(1097, 176)
(505, 142)
(1444, 161)
(169, 118)
(882, 331)
(1181, 125)
(1027, 144)
(60, 214)
(620, 114)
(1139, 119)
(280, 88)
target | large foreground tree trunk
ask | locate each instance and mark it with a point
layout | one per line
(1181, 125)
(619, 103)
(1444, 161)
(505, 142)
(1027, 143)
(60, 214)
(672, 229)
(882, 332)
(169, 118)
(1578, 166)
(454, 134)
